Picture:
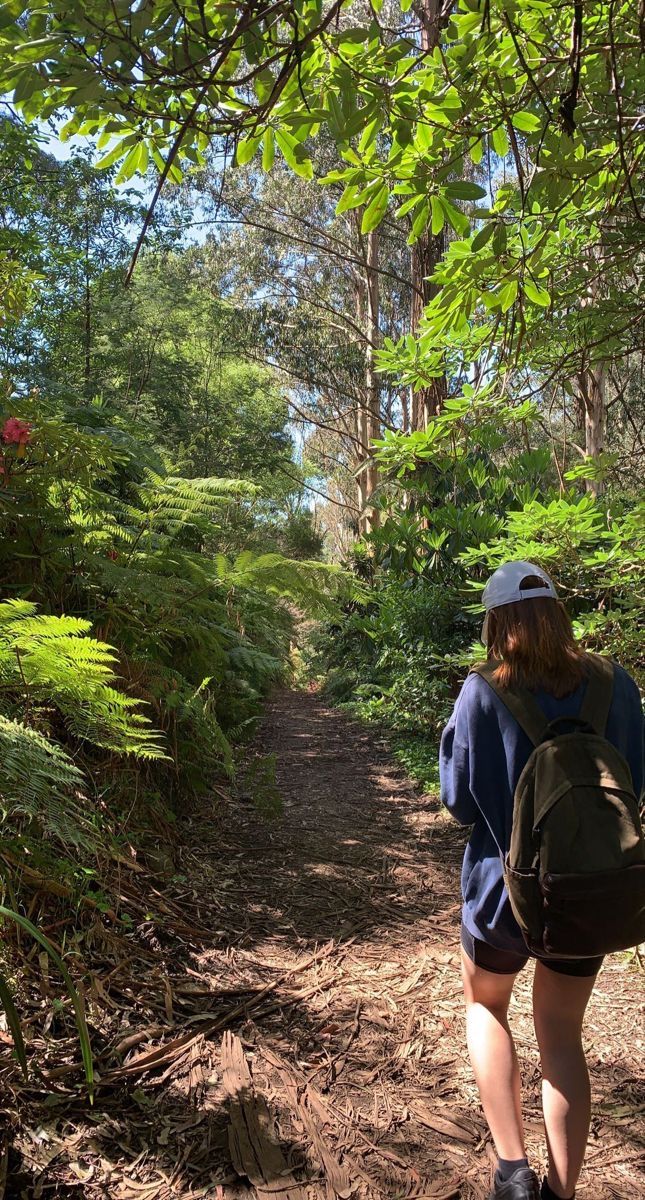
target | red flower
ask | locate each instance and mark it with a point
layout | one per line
(17, 431)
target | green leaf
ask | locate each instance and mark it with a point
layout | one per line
(477, 151)
(293, 154)
(463, 189)
(457, 219)
(500, 141)
(409, 204)
(370, 132)
(263, 83)
(128, 166)
(114, 155)
(132, 163)
(485, 234)
(25, 87)
(9, 13)
(500, 238)
(355, 35)
(536, 294)
(419, 223)
(526, 122)
(37, 50)
(507, 295)
(376, 209)
(438, 215)
(246, 149)
(351, 198)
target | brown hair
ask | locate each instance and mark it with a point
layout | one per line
(534, 643)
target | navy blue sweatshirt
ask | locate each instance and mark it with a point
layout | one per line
(483, 753)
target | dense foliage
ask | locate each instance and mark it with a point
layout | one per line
(154, 541)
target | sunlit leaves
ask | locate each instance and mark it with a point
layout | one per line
(294, 154)
(403, 123)
(500, 141)
(526, 122)
(376, 208)
(246, 149)
(464, 190)
(268, 150)
(537, 295)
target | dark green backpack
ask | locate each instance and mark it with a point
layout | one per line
(575, 871)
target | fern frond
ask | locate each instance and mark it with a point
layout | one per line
(52, 660)
(11, 610)
(38, 781)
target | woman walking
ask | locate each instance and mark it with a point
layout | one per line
(484, 750)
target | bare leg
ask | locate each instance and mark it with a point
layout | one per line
(559, 1003)
(492, 1054)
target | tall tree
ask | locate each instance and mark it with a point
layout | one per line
(370, 413)
(279, 250)
(429, 248)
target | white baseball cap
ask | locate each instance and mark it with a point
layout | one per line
(504, 585)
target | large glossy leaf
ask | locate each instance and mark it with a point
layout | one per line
(376, 209)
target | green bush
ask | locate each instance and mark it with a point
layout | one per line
(462, 498)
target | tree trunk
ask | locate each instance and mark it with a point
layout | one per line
(426, 254)
(429, 249)
(591, 393)
(372, 389)
(87, 331)
(368, 418)
(361, 415)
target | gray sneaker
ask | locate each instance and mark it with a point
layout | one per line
(523, 1185)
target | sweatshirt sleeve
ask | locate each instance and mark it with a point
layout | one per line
(454, 767)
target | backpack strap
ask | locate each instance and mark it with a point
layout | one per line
(599, 693)
(520, 703)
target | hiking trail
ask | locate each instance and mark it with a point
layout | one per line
(303, 1037)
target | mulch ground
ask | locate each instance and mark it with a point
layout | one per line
(284, 1020)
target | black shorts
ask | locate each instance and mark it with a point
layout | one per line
(507, 962)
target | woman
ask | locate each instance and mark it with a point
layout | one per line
(483, 752)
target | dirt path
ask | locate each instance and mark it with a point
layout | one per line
(301, 1025)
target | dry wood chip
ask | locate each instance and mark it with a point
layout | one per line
(452, 1125)
(338, 1182)
(255, 1153)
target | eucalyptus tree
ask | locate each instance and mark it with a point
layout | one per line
(311, 280)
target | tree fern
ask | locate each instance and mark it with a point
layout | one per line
(315, 586)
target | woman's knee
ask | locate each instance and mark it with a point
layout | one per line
(485, 988)
(559, 1005)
